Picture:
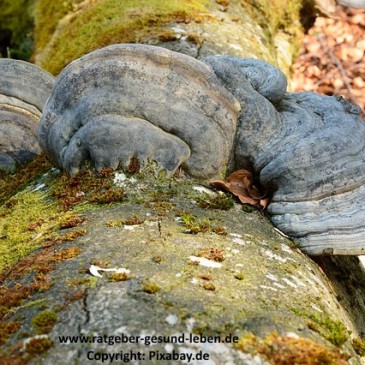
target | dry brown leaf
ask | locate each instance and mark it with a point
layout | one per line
(241, 184)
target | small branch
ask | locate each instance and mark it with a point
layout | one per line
(338, 64)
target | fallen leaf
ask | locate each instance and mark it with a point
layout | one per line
(241, 184)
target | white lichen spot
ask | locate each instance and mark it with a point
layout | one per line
(29, 339)
(240, 241)
(236, 235)
(235, 252)
(290, 283)
(130, 228)
(118, 330)
(281, 233)
(39, 187)
(178, 30)
(316, 308)
(287, 249)
(318, 280)
(236, 47)
(239, 265)
(202, 189)
(169, 347)
(268, 287)
(195, 281)
(274, 256)
(292, 335)
(272, 277)
(279, 285)
(178, 275)
(153, 224)
(119, 179)
(362, 260)
(297, 280)
(171, 319)
(122, 270)
(190, 324)
(205, 262)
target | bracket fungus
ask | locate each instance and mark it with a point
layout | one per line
(24, 89)
(308, 149)
(127, 102)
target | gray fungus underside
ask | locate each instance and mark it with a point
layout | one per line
(141, 102)
(24, 89)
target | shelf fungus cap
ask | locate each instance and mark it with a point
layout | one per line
(307, 149)
(24, 89)
(126, 102)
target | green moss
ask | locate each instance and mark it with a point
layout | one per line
(203, 225)
(359, 346)
(48, 14)
(277, 17)
(16, 25)
(119, 277)
(43, 322)
(333, 331)
(66, 30)
(150, 288)
(90, 282)
(208, 286)
(220, 201)
(16, 225)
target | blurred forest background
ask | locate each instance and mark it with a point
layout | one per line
(332, 57)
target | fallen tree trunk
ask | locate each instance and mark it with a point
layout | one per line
(199, 278)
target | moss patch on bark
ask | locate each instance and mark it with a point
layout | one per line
(67, 30)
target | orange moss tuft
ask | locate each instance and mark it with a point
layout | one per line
(211, 254)
(87, 186)
(72, 221)
(6, 329)
(285, 350)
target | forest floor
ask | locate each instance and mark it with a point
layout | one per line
(332, 59)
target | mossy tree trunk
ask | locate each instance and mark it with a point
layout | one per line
(268, 30)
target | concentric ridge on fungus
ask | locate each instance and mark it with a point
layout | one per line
(148, 103)
(144, 102)
(24, 89)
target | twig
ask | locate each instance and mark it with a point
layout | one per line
(338, 64)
